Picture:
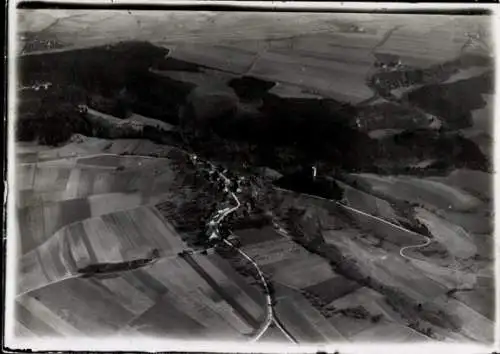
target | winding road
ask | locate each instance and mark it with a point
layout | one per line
(401, 251)
(357, 211)
(214, 223)
(271, 317)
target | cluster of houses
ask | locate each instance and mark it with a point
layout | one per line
(228, 185)
(37, 86)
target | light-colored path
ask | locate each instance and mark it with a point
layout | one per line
(270, 315)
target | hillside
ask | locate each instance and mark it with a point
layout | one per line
(196, 177)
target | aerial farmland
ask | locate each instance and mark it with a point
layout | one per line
(251, 177)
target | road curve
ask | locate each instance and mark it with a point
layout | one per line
(401, 251)
(344, 206)
(269, 302)
(270, 315)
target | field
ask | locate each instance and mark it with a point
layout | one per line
(293, 270)
(308, 282)
(314, 74)
(393, 112)
(425, 191)
(304, 321)
(168, 298)
(101, 211)
(55, 193)
(368, 203)
(376, 252)
(388, 329)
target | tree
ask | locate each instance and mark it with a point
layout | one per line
(53, 123)
(429, 332)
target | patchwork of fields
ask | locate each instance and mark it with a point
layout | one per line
(374, 246)
(99, 208)
(128, 237)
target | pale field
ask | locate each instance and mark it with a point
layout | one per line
(474, 324)
(468, 73)
(332, 42)
(386, 231)
(228, 285)
(146, 121)
(200, 31)
(475, 182)
(115, 237)
(477, 223)
(481, 299)
(26, 147)
(232, 60)
(80, 145)
(168, 298)
(80, 303)
(371, 300)
(55, 216)
(214, 313)
(104, 184)
(50, 179)
(388, 332)
(75, 149)
(254, 291)
(188, 27)
(21, 331)
(269, 252)
(456, 240)
(130, 124)
(361, 330)
(31, 228)
(458, 199)
(165, 320)
(446, 276)
(430, 193)
(291, 91)
(59, 214)
(299, 273)
(38, 309)
(135, 163)
(325, 48)
(385, 266)
(314, 74)
(368, 203)
(298, 321)
(84, 28)
(439, 41)
(317, 324)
